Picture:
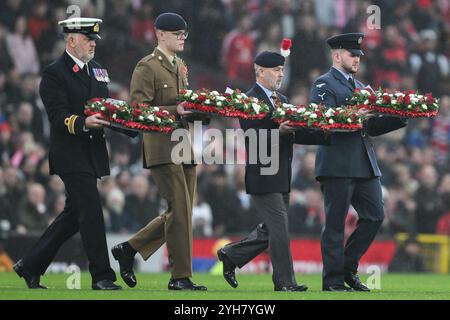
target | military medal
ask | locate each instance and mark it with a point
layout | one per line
(101, 75)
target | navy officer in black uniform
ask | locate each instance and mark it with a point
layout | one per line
(77, 154)
(347, 170)
(270, 193)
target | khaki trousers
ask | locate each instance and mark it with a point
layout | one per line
(176, 184)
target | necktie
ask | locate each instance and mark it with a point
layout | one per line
(352, 82)
(86, 69)
(275, 99)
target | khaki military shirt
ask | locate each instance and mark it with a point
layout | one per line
(157, 81)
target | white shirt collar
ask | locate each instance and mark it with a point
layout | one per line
(77, 61)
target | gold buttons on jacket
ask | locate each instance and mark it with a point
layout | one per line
(165, 85)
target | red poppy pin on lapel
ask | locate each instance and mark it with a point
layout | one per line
(76, 68)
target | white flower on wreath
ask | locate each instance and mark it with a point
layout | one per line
(313, 116)
(281, 112)
(287, 105)
(155, 109)
(365, 92)
(169, 120)
(238, 96)
(221, 98)
(244, 95)
(151, 117)
(329, 112)
(157, 119)
(207, 101)
(141, 118)
(307, 113)
(215, 93)
(219, 103)
(399, 94)
(114, 116)
(349, 120)
(331, 121)
(301, 110)
(424, 107)
(256, 107)
(313, 105)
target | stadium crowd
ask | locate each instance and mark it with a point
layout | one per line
(410, 51)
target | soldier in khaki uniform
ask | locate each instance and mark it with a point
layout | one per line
(156, 80)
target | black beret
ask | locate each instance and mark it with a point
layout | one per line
(170, 22)
(350, 41)
(268, 59)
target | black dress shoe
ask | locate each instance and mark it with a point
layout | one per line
(184, 284)
(32, 281)
(338, 288)
(355, 283)
(105, 285)
(228, 268)
(293, 288)
(125, 265)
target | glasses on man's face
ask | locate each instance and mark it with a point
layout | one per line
(181, 35)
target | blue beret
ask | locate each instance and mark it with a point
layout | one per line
(350, 41)
(268, 59)
(170, 22)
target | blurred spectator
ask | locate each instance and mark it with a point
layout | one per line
(32, 211)
(113, 211)
(429, 204)
(407, 258)
(306, 213)
(21, 48)
(238, 52)
(305, 177)
(6, 62)
(308, 49)
(430, 67)
(142, 26)
(440, 132)
(225, 204)
(9, 11)
(37, 20)
(390, 59)
(201, 218)
(141, 206)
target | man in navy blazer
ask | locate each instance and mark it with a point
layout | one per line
(77, 154)
(347, 170)
(270, 193)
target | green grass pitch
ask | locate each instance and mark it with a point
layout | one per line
(251, 287)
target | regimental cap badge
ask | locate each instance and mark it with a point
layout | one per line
(96, 27)
(360, 40)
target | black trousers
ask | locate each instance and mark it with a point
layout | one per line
(366, 197)
(272, 234)
(82, 213)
